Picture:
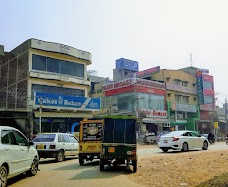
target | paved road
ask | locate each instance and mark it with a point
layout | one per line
(69, 173)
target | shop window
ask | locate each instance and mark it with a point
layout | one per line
(47, 64)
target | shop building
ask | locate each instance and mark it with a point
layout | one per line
(44, 86)
(181, 98)
(142, 98)
(206, 98)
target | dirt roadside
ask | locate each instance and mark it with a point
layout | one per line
(185, 169)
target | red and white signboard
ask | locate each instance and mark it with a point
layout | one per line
(148, 72)
(208, 78)
(154, 113)
(207, 107)
(131, 81)
(135, 88)
(118, 84)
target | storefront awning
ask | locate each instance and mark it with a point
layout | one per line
(155, 120)
(63, 115)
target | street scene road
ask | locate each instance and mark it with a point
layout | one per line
(70, 173)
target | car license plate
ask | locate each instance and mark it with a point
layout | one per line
(111, 149)
(165, 141)
(41, 146)
(92, 147)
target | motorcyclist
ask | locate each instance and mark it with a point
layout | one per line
(211, 138)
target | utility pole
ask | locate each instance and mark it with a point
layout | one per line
(40, 120)
(191, 58)
(226, 115)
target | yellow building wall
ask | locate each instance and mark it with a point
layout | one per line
(169, 76)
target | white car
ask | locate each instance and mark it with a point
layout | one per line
(182, 140)
(17, 155)
(56, 145)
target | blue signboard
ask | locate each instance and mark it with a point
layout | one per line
(48, 100)
(200, 92)
(126, 64)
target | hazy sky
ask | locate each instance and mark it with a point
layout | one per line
(153, 32)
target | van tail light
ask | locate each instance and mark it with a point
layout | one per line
(52, 147)
(175, 139)
(133, 152)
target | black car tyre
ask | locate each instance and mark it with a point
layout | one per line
(60, 156)
(184, 147)
(34, 168)
(81, 161)
(205, 145)
(101, 166)
(165, 150)
(3, 176)
(134, 164)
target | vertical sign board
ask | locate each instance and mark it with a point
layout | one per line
(200, 92)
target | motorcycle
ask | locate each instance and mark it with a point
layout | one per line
(212, 141)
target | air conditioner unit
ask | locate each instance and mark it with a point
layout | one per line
(166, 125)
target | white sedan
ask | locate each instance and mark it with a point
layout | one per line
(17, 155)
(56, 145)
(182, 140)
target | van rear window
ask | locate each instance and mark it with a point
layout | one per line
(44, 138)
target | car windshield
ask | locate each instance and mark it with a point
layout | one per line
(174, 133)
(44, 138)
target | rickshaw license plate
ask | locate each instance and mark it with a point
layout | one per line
(41, 146)
(111, 149)
(92, 147)
(165, 141)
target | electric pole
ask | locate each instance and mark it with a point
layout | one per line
(191, 58)
(226, 115)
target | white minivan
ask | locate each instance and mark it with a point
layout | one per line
(17, 155)
(56, 145)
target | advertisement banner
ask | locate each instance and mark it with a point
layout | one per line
(127, 64)
(131, 81)
(208, 78)
(184, 107)
(200, 91)
(216, 125)
(148, 72)
(154, 113)
(92, 131)
(135, 88)
(58, 101)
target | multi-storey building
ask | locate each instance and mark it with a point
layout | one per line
(142, 98)
(181, 98)
(44, 86)
(206, 98)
